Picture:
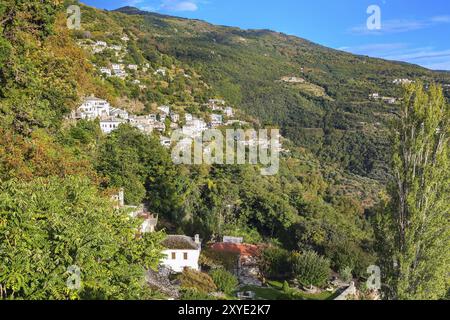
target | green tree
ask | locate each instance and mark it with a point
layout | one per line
(311, 269)
(414, 233)
(49, 225)
(276, 263)
(224, 280)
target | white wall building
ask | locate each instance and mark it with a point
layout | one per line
(160, 72)
(228, 112)
(119, 113)
(164, 109)
(116, 47)
(216, 119)
(188, 117)
(93, 108)
(194, 127)
(111, 124)
(165, 141)
(175, 117)
(106, 71)
(181, 252)
(101, 43)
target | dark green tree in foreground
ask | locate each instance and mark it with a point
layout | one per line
(47, 226)
(414, 231)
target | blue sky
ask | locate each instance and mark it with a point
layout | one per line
(415, 31)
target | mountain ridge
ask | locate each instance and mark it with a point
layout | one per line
(326, 109)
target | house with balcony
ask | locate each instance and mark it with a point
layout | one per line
(93, 108)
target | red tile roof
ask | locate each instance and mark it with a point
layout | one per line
(241, 249)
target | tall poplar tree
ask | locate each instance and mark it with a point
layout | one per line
(415, 231)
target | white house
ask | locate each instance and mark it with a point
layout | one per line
(188, 117)
(216, 102)
(181, 252)
(101, 44)
(216, 119)
(110, 124)
(120, 74)
(402, 81)
(152, 117)
(159, 126)
(228, 112)
(389, 100)
(160, 71)
(93, 108)
(116, 47)
(119, 113)
(164, 109)
(175, 117)
(106, 71)
(165, 141)
(125, 38)
(116, 67)
(132, 67)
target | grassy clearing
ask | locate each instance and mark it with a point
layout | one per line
(274, 292)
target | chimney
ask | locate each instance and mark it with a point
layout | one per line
(121, 198)
(197, 239)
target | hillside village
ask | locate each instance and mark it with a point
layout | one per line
(183, 252)
(94, 204)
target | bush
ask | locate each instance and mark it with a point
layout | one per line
(224, 280)
(311, 269)
(347, 254)
(346, 274)
(194, 294)
(276, 263)
(202, 282)
(214, 259)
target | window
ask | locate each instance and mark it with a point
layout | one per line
(174, 255)
(185, 255)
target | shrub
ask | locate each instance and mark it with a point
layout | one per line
(276, 263)
(224, 280)
(347, 254)
(311, 269)
(194, 294)
(202, 282)
(214, 259)
(286, 288)
(346, 274)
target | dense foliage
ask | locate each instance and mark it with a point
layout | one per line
(195, 280)
(311, 269)
(48, 225)
(225, 281)
(413, 229)
(56, 176)
(276, 263)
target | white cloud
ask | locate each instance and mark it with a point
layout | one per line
(176, 5)
(401, 25)
(133, 3)
(428, 57)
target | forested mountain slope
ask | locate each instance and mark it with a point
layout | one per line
(329, 112)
